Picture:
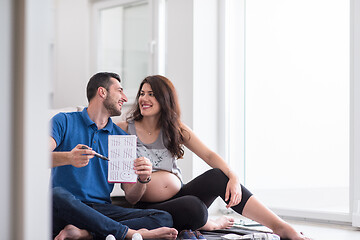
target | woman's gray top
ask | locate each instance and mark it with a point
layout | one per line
(160, 157)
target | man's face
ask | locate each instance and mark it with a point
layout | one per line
(115, 98)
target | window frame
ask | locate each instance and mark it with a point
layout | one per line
(355, 112)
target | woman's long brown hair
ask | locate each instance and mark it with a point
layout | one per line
(169, 121)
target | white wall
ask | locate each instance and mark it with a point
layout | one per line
(206, 95)
(72, 53)
(31, 129)
(191, 64)
(24, 73)
(179, 64)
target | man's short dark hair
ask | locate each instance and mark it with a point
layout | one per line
(101, 79)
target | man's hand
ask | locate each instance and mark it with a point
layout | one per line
(79, 157)
(143, 168)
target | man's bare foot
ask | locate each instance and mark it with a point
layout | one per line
(286, 231)
(163, 232)
(222, 222)
(73, 233)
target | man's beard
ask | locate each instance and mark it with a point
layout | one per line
(111, 107)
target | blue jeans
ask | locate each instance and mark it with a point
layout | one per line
(103, 219)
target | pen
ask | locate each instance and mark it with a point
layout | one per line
(96, 154)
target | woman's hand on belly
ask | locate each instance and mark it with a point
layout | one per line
(163, 186)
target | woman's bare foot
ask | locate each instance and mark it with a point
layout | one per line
(73, 233)
(163, 232)
(258, 212)
(219, 223)
(286, 231)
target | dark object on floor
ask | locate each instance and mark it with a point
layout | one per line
(216, 234)
(186, 235)
(199, 236)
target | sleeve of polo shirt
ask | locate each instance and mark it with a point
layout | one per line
(58, 127)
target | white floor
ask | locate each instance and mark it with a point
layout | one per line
(317, 231)
(322, 231)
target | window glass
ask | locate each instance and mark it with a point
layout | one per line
(124, 38)
(297, 103)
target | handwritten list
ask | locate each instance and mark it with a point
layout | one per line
(122, 153)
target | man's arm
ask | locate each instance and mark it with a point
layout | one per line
(77, 157)
(134, 192)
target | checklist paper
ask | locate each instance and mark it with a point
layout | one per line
(122, 153)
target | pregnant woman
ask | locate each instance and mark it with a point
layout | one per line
(155, 119)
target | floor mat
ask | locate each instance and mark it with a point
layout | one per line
(216, 234)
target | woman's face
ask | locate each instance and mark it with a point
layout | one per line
(148, 104)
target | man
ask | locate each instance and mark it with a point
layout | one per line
(82, 207)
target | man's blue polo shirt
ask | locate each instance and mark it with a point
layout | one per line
(88, 184)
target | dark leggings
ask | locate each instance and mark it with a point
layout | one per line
(189, 206)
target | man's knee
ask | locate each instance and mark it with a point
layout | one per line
(165, 218)
(61, 196)
(59, 191)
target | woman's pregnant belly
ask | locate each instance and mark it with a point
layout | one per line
(163, 185)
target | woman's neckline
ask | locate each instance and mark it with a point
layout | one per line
(145, 134)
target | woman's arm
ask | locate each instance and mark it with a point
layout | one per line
(194, 144)
(134, 192)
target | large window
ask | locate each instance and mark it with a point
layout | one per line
(128, 35)
(294, 110)
(124, 37)
(297, 103)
